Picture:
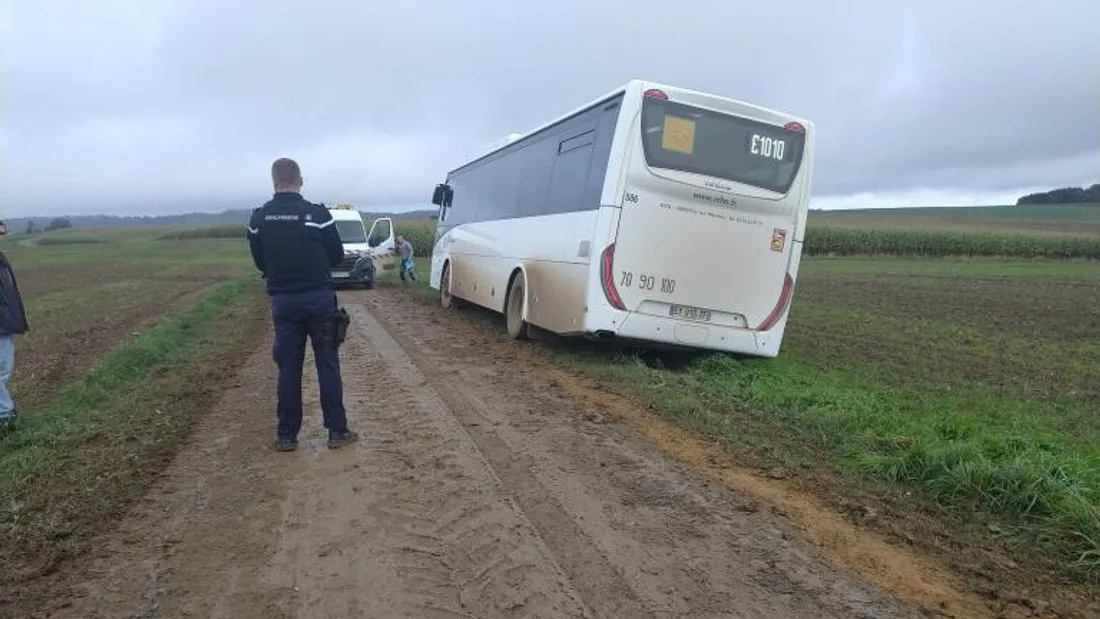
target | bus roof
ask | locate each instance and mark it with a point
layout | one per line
(635, 85)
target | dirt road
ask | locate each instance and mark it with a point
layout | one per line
(479, 490)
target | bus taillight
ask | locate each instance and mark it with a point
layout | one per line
(781, 306)
(796, 127)
(653, 93)
(607, 278)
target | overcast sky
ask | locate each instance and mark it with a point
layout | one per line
(154, 106)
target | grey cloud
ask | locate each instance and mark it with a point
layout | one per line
(173, 104)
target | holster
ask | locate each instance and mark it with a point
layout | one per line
(340, 321)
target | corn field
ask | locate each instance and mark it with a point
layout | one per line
(825, 241)
(820, 241)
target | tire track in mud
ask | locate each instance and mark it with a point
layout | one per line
(637, 535)
(425, 525)
(191, 546)
(409, 523)
(476, 491)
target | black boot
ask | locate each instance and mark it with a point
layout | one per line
(340, 438)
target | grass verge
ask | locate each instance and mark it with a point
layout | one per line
(228, 231)
(1042, 489)
(44, 241)
(953, 397)
(84, 459)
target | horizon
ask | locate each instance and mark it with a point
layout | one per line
(397, 211)
(914, 198)
(820, 204)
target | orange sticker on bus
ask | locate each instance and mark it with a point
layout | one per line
(779, 239)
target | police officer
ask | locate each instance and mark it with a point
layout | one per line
(295, 244)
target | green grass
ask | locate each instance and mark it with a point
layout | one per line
(972, 383)
(82, 460)
(45, 241)
(107, 385)
(963, 373)
(82, 299)
(955, 379)
(226, 231)
(970, 450)
(130, 248)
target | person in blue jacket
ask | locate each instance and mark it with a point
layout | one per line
(13, 321)
(295, 245)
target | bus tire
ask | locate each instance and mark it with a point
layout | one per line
(513, 308)
(446, 299)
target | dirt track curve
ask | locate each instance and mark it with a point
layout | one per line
(479, 490)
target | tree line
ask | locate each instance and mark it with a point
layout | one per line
(1065, 195)
(57, 223)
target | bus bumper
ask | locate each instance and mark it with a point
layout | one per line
(690, 334)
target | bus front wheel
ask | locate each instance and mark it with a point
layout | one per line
(446, 298)
(513, 310)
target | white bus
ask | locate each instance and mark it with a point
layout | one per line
(654, 214)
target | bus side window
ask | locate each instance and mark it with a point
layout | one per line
(570, 174)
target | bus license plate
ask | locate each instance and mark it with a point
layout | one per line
(689, 313)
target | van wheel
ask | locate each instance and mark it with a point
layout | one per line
(513, 310)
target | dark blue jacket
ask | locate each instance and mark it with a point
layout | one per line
(294, 243)
(13, 318)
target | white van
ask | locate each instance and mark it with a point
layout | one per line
(363, 253)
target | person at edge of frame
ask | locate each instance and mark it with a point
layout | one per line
(295, 244)
(13, 321)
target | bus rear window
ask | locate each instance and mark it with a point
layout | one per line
(681, 137)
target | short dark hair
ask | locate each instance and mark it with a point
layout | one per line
(286, 173)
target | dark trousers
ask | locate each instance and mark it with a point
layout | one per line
(297, 315)
(403, 268)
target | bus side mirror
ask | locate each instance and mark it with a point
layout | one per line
(442, 195)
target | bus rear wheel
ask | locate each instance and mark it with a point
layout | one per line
(513, 309)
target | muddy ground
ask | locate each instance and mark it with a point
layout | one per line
(65, 342)
(485, 485)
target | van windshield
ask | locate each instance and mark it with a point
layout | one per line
(686, 138)
(351, 232)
